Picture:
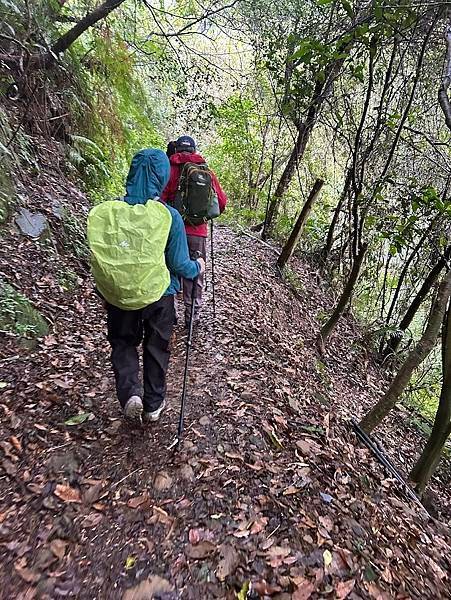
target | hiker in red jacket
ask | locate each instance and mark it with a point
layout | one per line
(196, 234)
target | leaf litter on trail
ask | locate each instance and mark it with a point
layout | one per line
(335, 499)
(148, 589)
(229, 561)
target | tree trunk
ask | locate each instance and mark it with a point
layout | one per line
(402, 277)
(330, 234)
(99, 13)
(345, 297)
(287, 175)
(46, 60)
(304, 128)
(290, 246)
(395, 340)
(415, 358)
(430, 457)
(443, 97)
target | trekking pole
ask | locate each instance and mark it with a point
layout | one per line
(212, 272)
(176, 443)
(365, 438)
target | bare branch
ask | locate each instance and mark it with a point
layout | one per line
(443, 97)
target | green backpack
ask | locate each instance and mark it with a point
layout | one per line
(196, 199)
(127, 246)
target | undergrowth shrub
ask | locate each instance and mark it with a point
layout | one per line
(18, 316)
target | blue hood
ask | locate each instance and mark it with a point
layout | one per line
(148, 176)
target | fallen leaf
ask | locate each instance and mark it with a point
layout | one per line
(263, 588)
(308, 447)
(91, 520)
(327, 523)
(305, 589)
(67, 493)
(291, 490)
(195, 536)
(130, 563)
(344, 588)
(326, 497)
(27, 574)
(161, 516)
(138, 500)
(66, 385)
(276, 555)
(58, 548)
(200, 550)
(162, 481)
(16, 443)
(243, 593)
(268, 543)
(327, 556)
(9, 467)
(259, 525)
(148, 589)
(230, 559)
(376, 593)
(369, 573)
(242, 534)
(3, 385)
(78, 419)
(187, 472)
(7, 447)
(93, 493)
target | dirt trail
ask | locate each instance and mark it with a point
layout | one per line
(269, 486)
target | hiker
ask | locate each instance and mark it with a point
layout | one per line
(196, 234)
(171, 149)
(138, 254)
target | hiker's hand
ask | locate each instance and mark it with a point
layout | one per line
(202, 265)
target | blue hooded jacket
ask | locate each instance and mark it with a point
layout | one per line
(147, 178)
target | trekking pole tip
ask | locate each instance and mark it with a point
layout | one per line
(175, 444)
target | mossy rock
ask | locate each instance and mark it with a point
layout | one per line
(19, 317)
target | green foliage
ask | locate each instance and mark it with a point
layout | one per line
(68, 279)
(74, 235)
(7, 195)
(114, 113)
(18, 316)
(236, 153)
(88, 158)
(293, 279)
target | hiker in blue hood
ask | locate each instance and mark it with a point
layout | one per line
(146, 179)
(152, 325)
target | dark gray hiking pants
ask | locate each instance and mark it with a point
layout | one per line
(153, 327)
(195, 244)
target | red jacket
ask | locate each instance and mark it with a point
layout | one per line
(177, 161)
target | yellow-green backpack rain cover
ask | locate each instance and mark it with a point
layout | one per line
(127, 252)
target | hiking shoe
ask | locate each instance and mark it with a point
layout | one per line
(155, 414)
(133, 408)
